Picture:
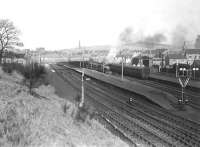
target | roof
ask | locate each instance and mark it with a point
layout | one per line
(192, 51)
(176, 56)
(11, 54)
(155, 51)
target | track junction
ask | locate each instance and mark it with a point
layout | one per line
(143, 122)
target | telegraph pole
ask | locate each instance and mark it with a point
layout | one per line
(79, 46)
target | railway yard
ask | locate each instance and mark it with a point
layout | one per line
(141, 121)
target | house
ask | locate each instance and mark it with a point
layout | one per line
(171, 59)
(157, 61)
(12, 57)
(154, 52)
(192, 54)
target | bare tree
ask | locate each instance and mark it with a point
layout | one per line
(8, 36)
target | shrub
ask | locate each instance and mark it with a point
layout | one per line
(84, 113)
(77, 98)
(33, 70)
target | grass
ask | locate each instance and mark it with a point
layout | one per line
(45, 120)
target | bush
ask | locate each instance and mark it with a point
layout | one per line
(33, 70)
(83, 113)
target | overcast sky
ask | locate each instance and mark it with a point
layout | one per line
(59, 24)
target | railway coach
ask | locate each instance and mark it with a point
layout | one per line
(101, 67)
(133, 71)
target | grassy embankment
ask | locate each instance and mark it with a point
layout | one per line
(45, 120)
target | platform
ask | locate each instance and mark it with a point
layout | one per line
(159, 97)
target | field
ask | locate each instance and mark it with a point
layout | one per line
(44, 119)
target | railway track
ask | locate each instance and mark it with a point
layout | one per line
(192, 97)
(176, 129)
(157, 111)
(121, 125)
(162, 129)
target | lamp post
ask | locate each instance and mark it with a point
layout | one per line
(83, 89)
(82, 80)
(81, 104)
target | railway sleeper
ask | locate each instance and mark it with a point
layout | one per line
(136, 135)
(181, 138)
(155, 126)
(144, 130)
(177, 130)
(163, 123)
(140, 137)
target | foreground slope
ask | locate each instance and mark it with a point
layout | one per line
(40, 120)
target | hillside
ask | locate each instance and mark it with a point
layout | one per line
(45, 120)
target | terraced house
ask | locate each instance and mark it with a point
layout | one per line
(192, 54)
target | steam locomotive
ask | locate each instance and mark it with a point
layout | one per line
(132, 71)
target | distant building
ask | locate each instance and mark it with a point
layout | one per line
(12, 57)
(154, 52)
(157, 61)
(171, 59)
(40, 49)
(192, 54)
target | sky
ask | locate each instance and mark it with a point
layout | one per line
(60, 24)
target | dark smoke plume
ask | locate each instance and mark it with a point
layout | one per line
(126, 36)
(157, 38)
(150, 41)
